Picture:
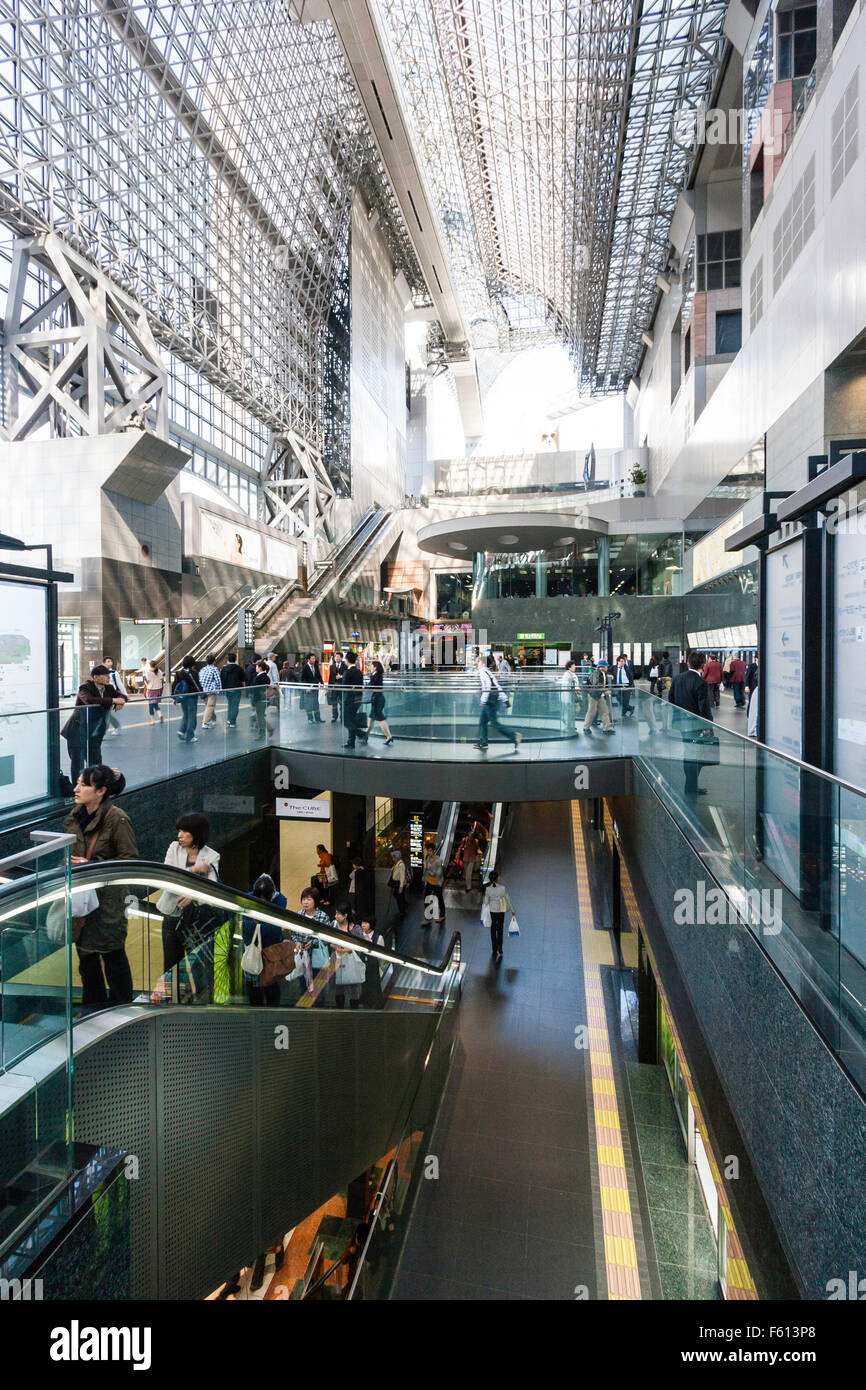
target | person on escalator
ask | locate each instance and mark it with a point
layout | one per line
(468, 853)
(371, 989)
(434, 878)
(348, 977)
(266, 990)
(102, 832)
(315, 952)
(191, 853)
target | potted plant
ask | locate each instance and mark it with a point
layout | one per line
(638, 480)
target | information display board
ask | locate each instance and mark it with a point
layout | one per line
(782, 676)
(24, 734)
(416, 839)
(782, 694)
(849, 731)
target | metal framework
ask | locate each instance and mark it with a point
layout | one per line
(203, 155)
(546, 129)
(84, 357)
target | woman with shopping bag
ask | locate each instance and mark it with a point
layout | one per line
(495, 904)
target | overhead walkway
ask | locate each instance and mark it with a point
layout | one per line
(242, 1120)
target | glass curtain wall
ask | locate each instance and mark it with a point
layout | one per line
(646, 564)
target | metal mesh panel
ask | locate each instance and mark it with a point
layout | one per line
(115, 1103)
(207, 1150)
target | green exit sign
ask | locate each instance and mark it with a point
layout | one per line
(530, 636)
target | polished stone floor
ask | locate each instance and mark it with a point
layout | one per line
(516, 1211)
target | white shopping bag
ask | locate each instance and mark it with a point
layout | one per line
(513, 928)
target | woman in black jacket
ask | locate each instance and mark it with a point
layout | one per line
(377, 702)
(311, 676)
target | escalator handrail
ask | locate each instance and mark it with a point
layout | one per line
(152, 874)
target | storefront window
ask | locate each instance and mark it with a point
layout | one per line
(510, 576)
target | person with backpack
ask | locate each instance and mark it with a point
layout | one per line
(186, 692)
(491, 695)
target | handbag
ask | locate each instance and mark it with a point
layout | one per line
(350, 969)
(81, 904)
(513, 928)
(331, 873)
(251, 960)
(279, 962)
(320, 955)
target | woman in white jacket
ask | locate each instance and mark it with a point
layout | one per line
(191, 852)
(497, 903)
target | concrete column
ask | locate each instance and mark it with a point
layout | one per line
(540, 575)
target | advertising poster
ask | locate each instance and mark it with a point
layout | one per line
(222, 539)
(23, 685)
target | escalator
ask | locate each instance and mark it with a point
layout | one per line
(235, 1122)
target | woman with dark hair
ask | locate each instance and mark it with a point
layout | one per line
(102, 831)
(277, 950)
(377, 702)
(190, 852)
(371, 988)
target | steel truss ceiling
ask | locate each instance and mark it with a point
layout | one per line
(204, 154)
(546, 131)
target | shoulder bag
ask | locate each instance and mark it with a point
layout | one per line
(251, 960)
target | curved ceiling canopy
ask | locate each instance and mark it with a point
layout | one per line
(462, 536)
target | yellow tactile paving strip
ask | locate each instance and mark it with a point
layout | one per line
(739, 1280)
(620, 1250)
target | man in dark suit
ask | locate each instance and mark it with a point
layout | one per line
(336, 673)
(689, 691)
(353, 685)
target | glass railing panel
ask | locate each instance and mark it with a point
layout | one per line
(791, 879)
(35, 961)
(850, 908)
